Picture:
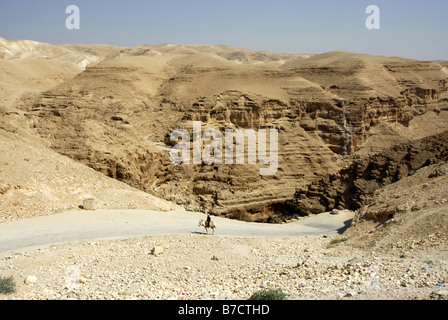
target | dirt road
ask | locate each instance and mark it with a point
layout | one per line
(108, 224)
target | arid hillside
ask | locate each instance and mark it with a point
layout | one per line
(355, 131)
(406, 216)
(113, 109)
(35, 180)
(355, 185)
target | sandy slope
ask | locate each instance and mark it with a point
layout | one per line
(35, 180)
(406, 214)
(28, 68)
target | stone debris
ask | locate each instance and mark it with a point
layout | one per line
(198, 267)
(30, 279)
(89, 204)
(157, 250)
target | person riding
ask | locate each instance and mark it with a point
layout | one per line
(209, 219)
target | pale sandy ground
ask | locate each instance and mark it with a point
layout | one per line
(106, 224)
(238, 260)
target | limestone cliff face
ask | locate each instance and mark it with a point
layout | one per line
(117, 117)
(238, 190)
(354, 186)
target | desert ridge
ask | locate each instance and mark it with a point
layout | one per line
(116, 114)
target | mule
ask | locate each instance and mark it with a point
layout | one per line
(204, 223)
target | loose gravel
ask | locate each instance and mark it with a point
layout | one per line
(210, 267)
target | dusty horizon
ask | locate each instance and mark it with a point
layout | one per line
(221, 45)
(412, 30)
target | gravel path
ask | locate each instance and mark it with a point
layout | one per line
(107, 224)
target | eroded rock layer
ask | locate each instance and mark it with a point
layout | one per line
(117, 116)
(354, 186)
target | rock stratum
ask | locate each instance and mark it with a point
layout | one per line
(113, 109)
(355, 185)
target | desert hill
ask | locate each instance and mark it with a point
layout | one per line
(408, 215)
(35, 180)
(29, 68)
(113, 109)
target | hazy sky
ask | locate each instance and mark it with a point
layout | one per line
(409, 28)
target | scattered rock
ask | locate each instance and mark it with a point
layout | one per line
(120, 269)
(157, 250)
(438, 172)
(442, 293)
(89, 204)
(30, 279)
